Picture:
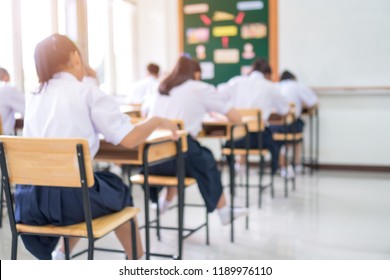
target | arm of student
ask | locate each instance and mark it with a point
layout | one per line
(18, 102)
(279, 102)
(233, 116)
(141, 131)
(308, 96)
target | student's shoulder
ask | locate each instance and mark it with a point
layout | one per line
(237, 79)
(200, 85)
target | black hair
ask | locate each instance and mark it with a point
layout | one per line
(287, 75)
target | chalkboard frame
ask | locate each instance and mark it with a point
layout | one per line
(272, 36)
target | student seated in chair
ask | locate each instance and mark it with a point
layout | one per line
(142, 89)
(11, 102)
(181, 96)
(299, 95)
(65, 107)
(256, 91)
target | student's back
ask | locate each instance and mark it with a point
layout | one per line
(297, 93)
(11, 102)
(189, 102)
(254, 91)
(70, 108)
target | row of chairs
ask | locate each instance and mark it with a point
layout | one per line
(256, 125)
(27, 161)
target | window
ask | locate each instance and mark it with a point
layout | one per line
(34, 29)
(6, 45)
(124, 26)
(111, 26)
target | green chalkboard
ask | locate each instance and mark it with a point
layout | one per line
(224, 35)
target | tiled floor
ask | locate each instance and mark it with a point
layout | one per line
(331, 215)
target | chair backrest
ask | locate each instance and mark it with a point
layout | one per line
(1, 126)
(46, 161)
(253, 119)
(179, 123)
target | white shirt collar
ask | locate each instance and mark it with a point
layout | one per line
(256, 74)
(64, 76)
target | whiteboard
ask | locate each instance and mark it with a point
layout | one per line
(336, 43)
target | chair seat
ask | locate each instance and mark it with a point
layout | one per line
(153, 180)
(242, 152)
(101, 226)
(290, 136)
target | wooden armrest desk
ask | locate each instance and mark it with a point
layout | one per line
(228, 131)
(157, 148)
(314, 132)
(131, 110)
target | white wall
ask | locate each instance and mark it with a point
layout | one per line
(341, 42)
(355, 127)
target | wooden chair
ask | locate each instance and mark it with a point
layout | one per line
(171, 182)
(1, 187)
(57, 163)
(287, 138)
(255, 125)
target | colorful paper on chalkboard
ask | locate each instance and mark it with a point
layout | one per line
(206, 20)
(250, 5)
(225, 31)
(225, 42)
(226, 56)
(246, 69)
(200, 52)
(197, 35)
(196, 9)
(222, 16)
(239, 18)
(248, 52)
(208, 72)
(254, 31)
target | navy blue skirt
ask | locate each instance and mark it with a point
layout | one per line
(267, 142)
(296, 127)
(200, 165)
(35, 205)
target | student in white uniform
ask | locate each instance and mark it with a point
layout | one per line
(65, 107)
(11, 102)
(256, 91)
(90, 76)
(299, 95)
(181, 96)
(143, 88)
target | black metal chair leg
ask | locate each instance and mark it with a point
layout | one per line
(90, 249)
(286, 177)
(207, 229)
(67, 248)
(133, 239)
(14, 248)
(1, 204)
(261, 174)
(158, 232)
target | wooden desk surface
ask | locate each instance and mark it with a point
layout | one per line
(310, 111)
(219, 129)
(131, 110)
(120, 155)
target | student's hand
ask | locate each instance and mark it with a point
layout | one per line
(167, 124)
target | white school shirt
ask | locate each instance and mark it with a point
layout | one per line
(299, 94)
(141, 89)
(255, 92)
(188, 102)
(69, 108)
(11, 102)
